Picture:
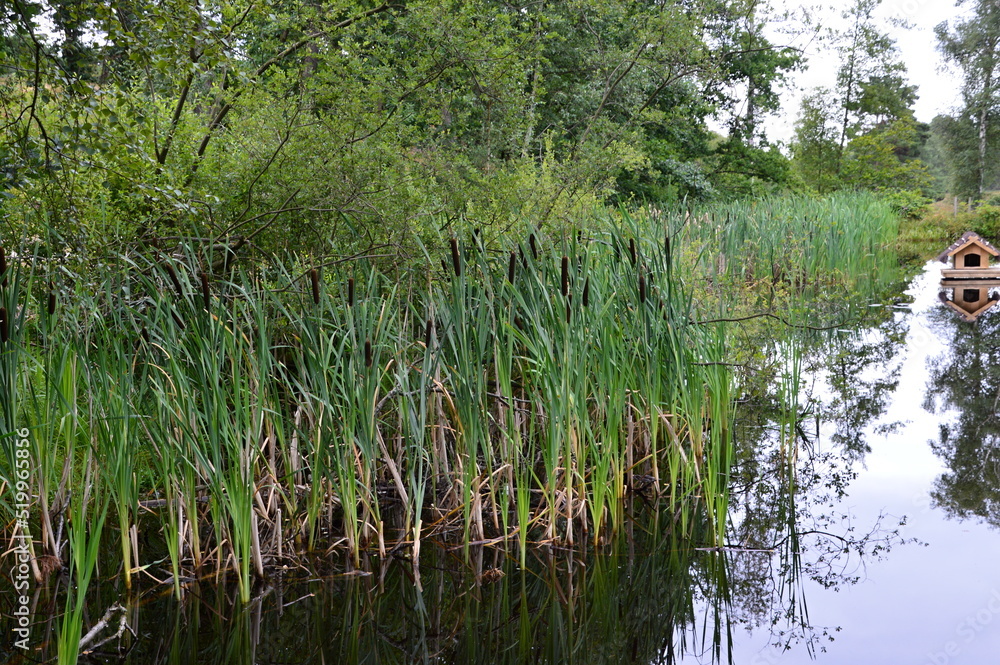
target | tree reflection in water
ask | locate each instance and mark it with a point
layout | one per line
(966, 380)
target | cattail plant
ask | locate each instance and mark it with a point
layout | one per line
(511, 266)
(456, 259)
(168, 266)
(206, 294)
(565, 277)
(350, 292)
(314, 280)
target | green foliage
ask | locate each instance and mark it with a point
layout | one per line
(882, 159)
(974, 45)
(349, 127)
(815, 150)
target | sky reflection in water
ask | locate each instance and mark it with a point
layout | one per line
(938, 603)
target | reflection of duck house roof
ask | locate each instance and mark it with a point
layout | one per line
(969, 317)
(968, 238)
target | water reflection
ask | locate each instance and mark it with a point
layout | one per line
(966, 382)
(970, 299)
(636, 605)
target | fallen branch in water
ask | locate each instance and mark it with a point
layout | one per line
(102, 624)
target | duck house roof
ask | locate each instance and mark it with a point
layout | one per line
(968, 238)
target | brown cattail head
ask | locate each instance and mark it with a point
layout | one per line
(511, 266)
(534, 249)
(173, 278)
(314, 278)
(631, 250)
(642, 288)
(368, 353)
(428, 330)
(565, 276)
(350, 292)
(177, 319)
(586, 292)
(444, 265)
(52, 300)
(4, 330)
(666, 246)
(206, 294)
(456, 259)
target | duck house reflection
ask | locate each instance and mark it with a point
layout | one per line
(970, 299)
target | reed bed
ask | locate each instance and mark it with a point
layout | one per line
(811, 246)
(518, 395)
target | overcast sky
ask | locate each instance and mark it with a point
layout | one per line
(938, 89)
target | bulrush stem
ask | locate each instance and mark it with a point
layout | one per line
(314, 278)
(456, 259)
(565, 276)
(206, 294)
(511, 266)
(350, 292)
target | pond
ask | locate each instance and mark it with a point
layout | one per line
(929, 454)
(871, 541)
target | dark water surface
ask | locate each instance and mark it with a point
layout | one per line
(821, 563)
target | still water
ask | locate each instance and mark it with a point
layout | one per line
(873, 540)
(935, 459)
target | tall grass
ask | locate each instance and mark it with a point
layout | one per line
(526, 392)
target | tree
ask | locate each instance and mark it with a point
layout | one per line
(871, 79)
(815, 149)
(974, 46)
(885, 159)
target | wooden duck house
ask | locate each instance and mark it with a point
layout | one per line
(970, 257)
